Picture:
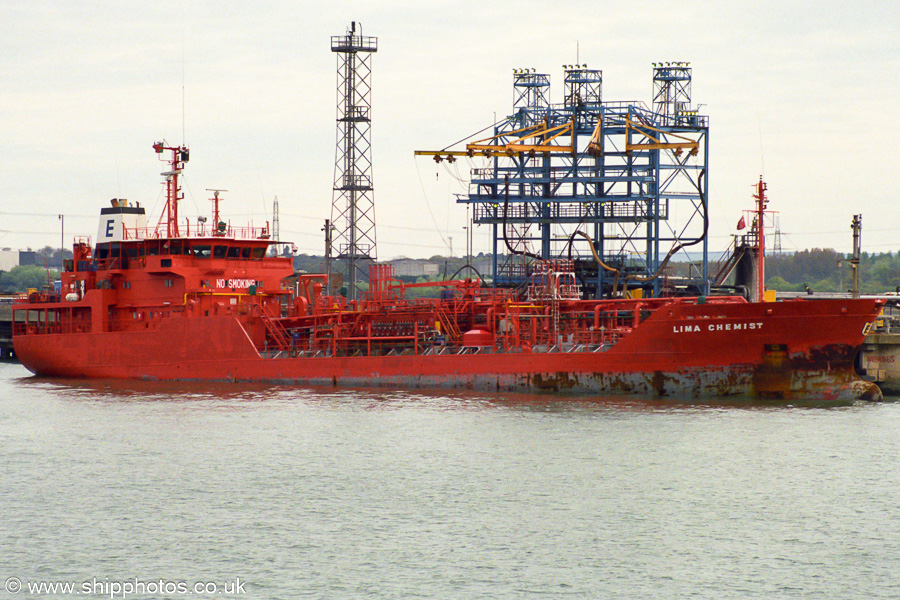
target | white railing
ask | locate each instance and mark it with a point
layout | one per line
(197, 230)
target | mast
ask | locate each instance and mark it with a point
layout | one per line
(857, 246)
(761, 202)
(218, 226)
(180, 155)
(276, 227)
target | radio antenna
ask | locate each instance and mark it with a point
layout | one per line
(183, 140)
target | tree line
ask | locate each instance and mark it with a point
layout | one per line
(825, 270)
(38, 276)
(22, 278)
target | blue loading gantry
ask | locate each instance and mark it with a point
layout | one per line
(625, 178)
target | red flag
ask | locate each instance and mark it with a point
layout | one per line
(741, 224)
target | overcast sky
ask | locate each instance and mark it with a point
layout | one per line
(804, 93)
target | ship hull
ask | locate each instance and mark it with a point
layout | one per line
(785, 350)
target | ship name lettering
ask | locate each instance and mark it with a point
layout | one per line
(718, 327)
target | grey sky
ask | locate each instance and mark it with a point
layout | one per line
(804, 93)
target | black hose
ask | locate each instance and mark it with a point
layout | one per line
(506, 239)
(669, 256)
(468, 267)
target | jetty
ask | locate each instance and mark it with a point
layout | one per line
(879, 358)
(6, 346)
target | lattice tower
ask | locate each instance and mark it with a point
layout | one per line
(275, 221)
(353, 207)
(671, 88)
(584, 87)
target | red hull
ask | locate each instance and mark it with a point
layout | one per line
(798, 349)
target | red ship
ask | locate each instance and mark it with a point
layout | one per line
(193, 302)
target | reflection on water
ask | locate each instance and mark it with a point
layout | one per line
(380, 398)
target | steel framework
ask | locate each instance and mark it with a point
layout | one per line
(628, 178)
(353, 206)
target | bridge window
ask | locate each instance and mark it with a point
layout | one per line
(219, 251)
(202, 250)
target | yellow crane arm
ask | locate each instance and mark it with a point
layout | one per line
(656, 142)
(484, 146)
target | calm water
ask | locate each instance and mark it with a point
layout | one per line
(275, 492)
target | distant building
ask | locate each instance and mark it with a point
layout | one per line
(9, 259)
(408, 267)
